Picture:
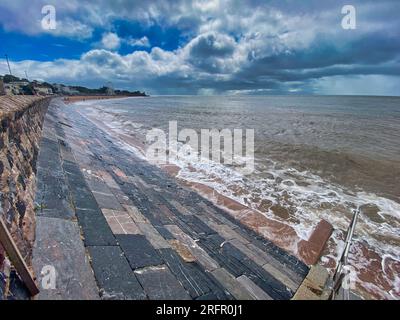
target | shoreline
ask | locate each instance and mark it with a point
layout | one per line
(73, 99)
(309, 251)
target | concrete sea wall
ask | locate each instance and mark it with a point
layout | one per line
(21, 120)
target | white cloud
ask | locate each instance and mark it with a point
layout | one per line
(230, 46)
(19, 16)
(212, 52)
(110, 41)
(141, 42)
(72, 29)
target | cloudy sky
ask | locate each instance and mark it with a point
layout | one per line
(207, 47)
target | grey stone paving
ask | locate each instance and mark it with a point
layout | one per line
(139, 251)
(148, 237)
(58, 241)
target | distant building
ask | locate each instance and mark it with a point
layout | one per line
(12, 88)
(62, 89)
(19, 83)
(43, 91)
(15, 87)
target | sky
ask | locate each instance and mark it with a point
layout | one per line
(207, 47)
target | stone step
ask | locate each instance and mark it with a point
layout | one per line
(160, 284)
(138, 251)
(114, 276)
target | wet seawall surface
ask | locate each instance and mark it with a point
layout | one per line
(145, 235)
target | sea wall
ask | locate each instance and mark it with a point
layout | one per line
(21, 120)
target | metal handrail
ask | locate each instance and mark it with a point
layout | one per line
(339, 275)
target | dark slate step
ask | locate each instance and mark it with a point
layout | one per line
(83, 198)
(188, 274)
(107, 201)
(160, 284)
(52, 193)
(288, 260)
(71, 168)
(290, 264)
(164, 233)
(271, 286)
(113, 274)
(197, 225)
(58, 243)
(75, 180)
(138, 251)
(96, 230)
(234, 266)
(48, 146)
(53, 197)
(193, 277)
(266, 281)
(237, 263)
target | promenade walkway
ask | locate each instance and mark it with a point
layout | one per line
(115, 227)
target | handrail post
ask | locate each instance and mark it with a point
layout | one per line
(339, 276)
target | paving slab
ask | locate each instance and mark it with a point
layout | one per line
(151, 233)
(122, 198)
(183, 210)
(197, 226)
(120, 222)
(160, 284)
(239, 291)
(272, 286)
(107, 201)
(280, 276)
(199, 253)
(257, 256)
(81, 196)
(164, 233)
(113, 274)
(135, 214)
(97, 185)
(52, 193)
(318, 275)
(191, 275)
(53, 197)
(253, 289)
(58, 245)
(138, 250)
(96, 231)
(182, 250)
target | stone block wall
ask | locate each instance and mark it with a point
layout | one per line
(21, 120)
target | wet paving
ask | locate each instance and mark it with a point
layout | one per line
(116, 227)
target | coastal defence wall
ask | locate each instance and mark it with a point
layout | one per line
(21, 120)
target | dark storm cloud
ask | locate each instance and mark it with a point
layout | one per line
(226, 45)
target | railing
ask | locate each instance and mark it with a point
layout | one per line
(339, 274)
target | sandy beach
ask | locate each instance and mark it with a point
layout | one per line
(72, 99)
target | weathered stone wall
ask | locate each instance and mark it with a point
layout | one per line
(21, 120)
